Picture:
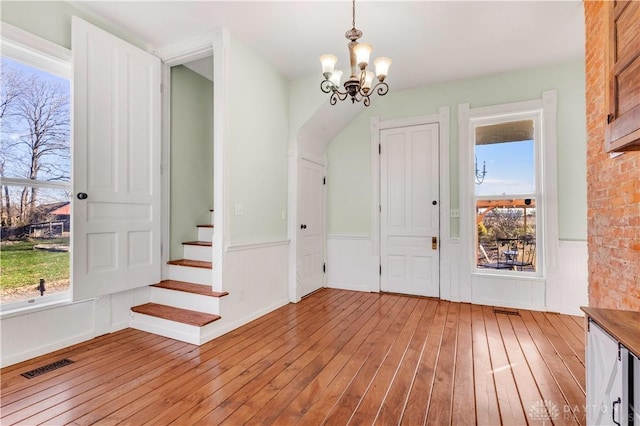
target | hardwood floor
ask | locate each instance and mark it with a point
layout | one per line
(337, 357)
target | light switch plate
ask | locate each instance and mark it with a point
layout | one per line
(239, 209)
(455, 212)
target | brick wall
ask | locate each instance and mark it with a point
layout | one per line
(613, 189)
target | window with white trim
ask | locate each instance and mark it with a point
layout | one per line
(509, 205)
(35, 170)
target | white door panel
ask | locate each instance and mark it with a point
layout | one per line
(409, 218)
(310, 275)
(116, 162)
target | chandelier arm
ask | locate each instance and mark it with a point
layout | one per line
(327, 86)
(381, 88)
(366, 101)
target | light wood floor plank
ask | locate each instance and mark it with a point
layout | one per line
(417, 404)
(398, 394)
(511, 409)
(336, 357)
(463, 411)
(486, 400)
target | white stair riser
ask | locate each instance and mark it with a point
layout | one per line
(205, 234)
(197, 252)
(175, 330)
(190, 275)
(184, 300)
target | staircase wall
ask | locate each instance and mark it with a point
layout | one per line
(256, 279)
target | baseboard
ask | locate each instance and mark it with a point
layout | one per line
(225, 328)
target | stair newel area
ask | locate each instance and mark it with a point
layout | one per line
(184, 306)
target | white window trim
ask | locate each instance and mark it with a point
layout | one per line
(546, 189)
(36, 52)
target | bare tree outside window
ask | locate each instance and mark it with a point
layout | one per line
(35, 159)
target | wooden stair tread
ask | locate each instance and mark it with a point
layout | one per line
(197, 243)
(186, 287)
(204, 225)
(185, 316)
(191, 263)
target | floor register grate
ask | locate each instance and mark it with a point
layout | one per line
(46, 368)
(506, 312)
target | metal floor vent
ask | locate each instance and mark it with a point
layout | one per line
(46, 368)
(505, 312)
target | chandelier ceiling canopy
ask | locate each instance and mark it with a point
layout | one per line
(358, 87)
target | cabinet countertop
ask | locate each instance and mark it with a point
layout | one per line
(624, 326)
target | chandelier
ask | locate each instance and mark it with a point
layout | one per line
(358, 86)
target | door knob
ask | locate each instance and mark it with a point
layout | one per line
(82, 196)
(303, 226)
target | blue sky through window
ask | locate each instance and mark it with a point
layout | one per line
(510, 168)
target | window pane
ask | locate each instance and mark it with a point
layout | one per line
(34, 124)
(34, 242)
(505, 159)
(506, 234)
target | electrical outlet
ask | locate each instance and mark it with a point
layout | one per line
(455, 212)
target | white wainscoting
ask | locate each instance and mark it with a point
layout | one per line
(568, 282)
(34, 333)
(256, 277)
(351, 264)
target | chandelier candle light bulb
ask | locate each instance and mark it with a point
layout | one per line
(359, 86)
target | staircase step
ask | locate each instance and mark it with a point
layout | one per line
(183, 316)
(197, 243)
(191, 263)
(204, 290)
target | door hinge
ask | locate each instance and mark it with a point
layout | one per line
(380, 269)
(324, 180)
(609, 118)
(619, 351)
(380, 208)
(324, 268)
(379, 148)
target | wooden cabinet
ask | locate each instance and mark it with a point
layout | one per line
(613, 367)
(623, 93)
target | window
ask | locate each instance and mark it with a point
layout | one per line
(35, 173)
(508, 186)
(505, 195)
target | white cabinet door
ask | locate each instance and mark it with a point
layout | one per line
(604, 378)
(409, 218)
(116, 164)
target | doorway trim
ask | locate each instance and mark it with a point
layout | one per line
(216, 44)
(442, 118)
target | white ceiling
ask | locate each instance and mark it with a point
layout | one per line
(428, 41)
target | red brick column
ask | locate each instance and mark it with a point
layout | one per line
(613, 188)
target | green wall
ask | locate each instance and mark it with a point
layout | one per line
(191, 155)
(259, 133)
(349, 169)
(51, 20)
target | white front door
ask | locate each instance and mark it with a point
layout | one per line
(310, 227)
(116, 164)
(409, 213)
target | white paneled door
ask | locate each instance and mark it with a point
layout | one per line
(116, 164)
(310, 246)
(409, 211)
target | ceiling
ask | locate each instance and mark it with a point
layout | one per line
(428, 41)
